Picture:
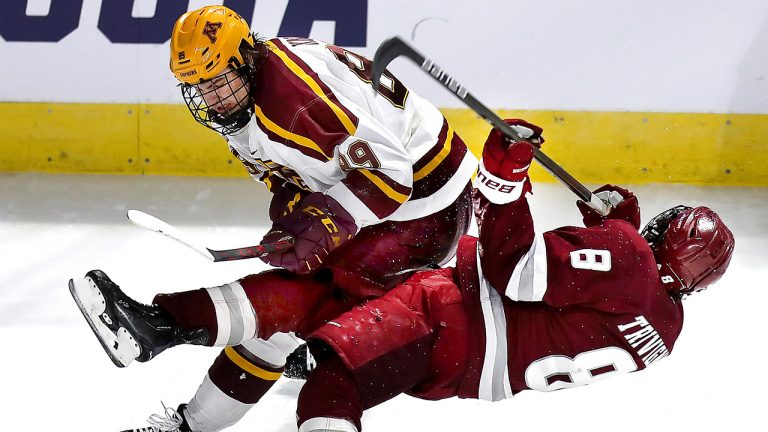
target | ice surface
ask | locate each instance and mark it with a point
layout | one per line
(55, 375)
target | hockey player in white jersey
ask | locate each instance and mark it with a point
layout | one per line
(370, 184)
(302, 117)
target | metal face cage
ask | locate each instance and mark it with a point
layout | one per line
(222, 103)
(656, 227)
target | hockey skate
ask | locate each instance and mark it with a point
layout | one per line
(126, 329)
(172, 420)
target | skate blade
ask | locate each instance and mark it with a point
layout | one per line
(121, 347)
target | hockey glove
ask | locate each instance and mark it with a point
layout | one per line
(318, 226)
(503, 175)
(285, 198)
(623, 204)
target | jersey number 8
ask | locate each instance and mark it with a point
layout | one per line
(559, 372)
(591, 259)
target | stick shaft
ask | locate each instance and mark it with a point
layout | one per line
(396, 47)
(251, 251)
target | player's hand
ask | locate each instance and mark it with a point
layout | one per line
(285, 198)
(318, 226)
(509, 159)
(623, 204)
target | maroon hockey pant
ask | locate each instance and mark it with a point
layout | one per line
(412, 340)
(375, 260)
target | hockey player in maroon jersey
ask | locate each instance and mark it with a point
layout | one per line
(522, 310)
(370, 184)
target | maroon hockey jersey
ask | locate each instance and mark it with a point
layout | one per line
(560, 309)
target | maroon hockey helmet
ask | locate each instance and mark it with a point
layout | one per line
(692, 246)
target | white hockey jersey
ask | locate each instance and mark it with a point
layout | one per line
(383, 154)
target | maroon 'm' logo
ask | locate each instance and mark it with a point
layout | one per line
(211, 29)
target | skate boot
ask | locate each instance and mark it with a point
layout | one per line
(127, 329)
(172, 420)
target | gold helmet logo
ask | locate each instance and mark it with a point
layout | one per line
(211, 29)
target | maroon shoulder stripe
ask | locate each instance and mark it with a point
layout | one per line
(286, 91)
(312, 74)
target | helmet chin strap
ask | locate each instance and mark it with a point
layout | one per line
(234, 121)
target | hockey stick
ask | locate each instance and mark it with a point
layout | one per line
(152, 223)
(395, 47)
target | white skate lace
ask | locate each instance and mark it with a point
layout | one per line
(170, 421)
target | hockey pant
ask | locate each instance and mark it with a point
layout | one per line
(412, 340)
(265, 305)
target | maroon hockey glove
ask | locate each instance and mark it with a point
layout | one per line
(507, 159)
(503, 175)
(318, 226)
(285, 198)
(623, 203)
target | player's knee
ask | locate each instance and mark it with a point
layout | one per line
(283, 301)
(330, 399)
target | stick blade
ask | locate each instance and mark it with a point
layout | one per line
(152, 223)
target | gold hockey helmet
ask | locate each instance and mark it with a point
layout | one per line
(205, 41)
